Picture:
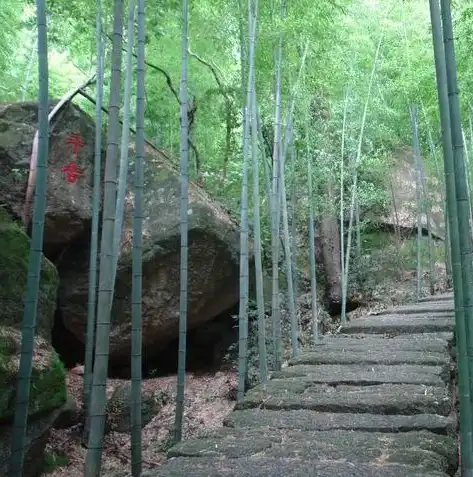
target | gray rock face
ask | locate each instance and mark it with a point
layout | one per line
(213, 236)
(402, 184)
(213, 275)
(68, 204)
(353, 406)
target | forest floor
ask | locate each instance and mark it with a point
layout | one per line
(209, 397)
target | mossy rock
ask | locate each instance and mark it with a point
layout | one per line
(118, 408)
(14, 257)
(48, 378)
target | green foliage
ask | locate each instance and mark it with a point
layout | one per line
(342, 36)
(53, 461)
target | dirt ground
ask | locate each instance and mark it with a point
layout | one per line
(208, 402)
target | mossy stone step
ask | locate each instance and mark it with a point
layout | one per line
(379, 399)
(304, 419)
(284, 467)
(362, 375)
(401, 324)
(422, 449)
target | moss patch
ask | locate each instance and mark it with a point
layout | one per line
(14, 256)
(48, 378)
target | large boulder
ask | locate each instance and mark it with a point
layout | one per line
(71, 140)
(402, 186)
(213, 273)
(47, 396)
(14, 255)
(213, 236)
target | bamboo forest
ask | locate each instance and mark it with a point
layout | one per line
(236, 238)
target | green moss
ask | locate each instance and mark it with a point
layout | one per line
(48, 377)
(14, 256)
(53, 461)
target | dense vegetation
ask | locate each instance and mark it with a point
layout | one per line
(332, 91)
(342, 36)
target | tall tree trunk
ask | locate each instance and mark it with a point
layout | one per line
(98, 396)
(455, 253)
(18, 443)
(94, 234)
(136, 287)
(184, 226)
(331, 251)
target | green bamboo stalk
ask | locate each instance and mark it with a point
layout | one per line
(98, 399)
(18, 443)
(94, 234)
(416, 149)
(263, 360)
(275, 212)
(184, 227)
(125, 141)
(461, 339)
(355, 178)
(312, 265)
(342, 208)
(137, 274)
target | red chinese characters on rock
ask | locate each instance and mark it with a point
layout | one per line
(72, 171)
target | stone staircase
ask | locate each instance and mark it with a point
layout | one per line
(374, 401)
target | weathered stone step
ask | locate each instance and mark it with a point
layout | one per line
(433, 342)
(378, 399)
(421, 449)
(443, 297)
(401, 324)
(323, 421)
(368, 356)
(363, 375)
(284, 467)
(419, 309)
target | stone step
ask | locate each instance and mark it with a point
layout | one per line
(402, 399)
(384, 356)
(427, 342)
(419, 309)
(362, 375)
(401, 324)
(323, 421)
(421, 449)
(443, 297)
(284, 467)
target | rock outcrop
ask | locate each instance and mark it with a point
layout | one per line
(47, 396)
(14, 254)
(68, 204)
(402, 186)
(213, 265)
(48, 387)
(213, 236)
